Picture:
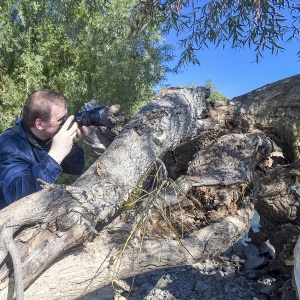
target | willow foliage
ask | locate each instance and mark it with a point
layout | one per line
(262, 25)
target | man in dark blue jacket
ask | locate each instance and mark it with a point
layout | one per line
(39, 146)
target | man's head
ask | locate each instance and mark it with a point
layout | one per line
(43, 111)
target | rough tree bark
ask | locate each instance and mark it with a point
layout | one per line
(179, 183)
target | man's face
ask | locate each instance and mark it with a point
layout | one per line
(51, 127)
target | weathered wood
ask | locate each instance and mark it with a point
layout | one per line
(97, 263)
(159, 127)
(217, 154)
(221, 224)
(275, 110)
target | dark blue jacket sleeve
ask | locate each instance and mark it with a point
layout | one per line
(19, 173)
(22, 164)
(74, 162)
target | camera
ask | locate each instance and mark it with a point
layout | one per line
(94, 117)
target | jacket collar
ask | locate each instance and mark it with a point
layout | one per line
(34, 140)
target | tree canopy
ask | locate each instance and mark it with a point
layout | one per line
(82, 48)
(114, 50)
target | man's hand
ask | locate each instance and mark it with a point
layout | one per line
(81, 132)
(63, 141)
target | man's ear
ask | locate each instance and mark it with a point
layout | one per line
(39, 124)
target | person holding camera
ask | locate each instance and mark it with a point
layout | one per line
(39, 146)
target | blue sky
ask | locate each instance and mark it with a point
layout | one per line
(235, 72)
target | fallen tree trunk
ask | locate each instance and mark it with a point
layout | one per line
(215, 155)
(159, 127)
(101, 264)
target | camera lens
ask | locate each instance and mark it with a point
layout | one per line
(89, 118)
(81, 119)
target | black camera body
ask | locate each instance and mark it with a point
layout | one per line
(95, 117)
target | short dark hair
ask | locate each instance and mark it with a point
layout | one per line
(39, 104)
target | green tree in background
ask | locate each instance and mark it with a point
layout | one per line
(84, 49)
(215, 95)
(113, 50)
